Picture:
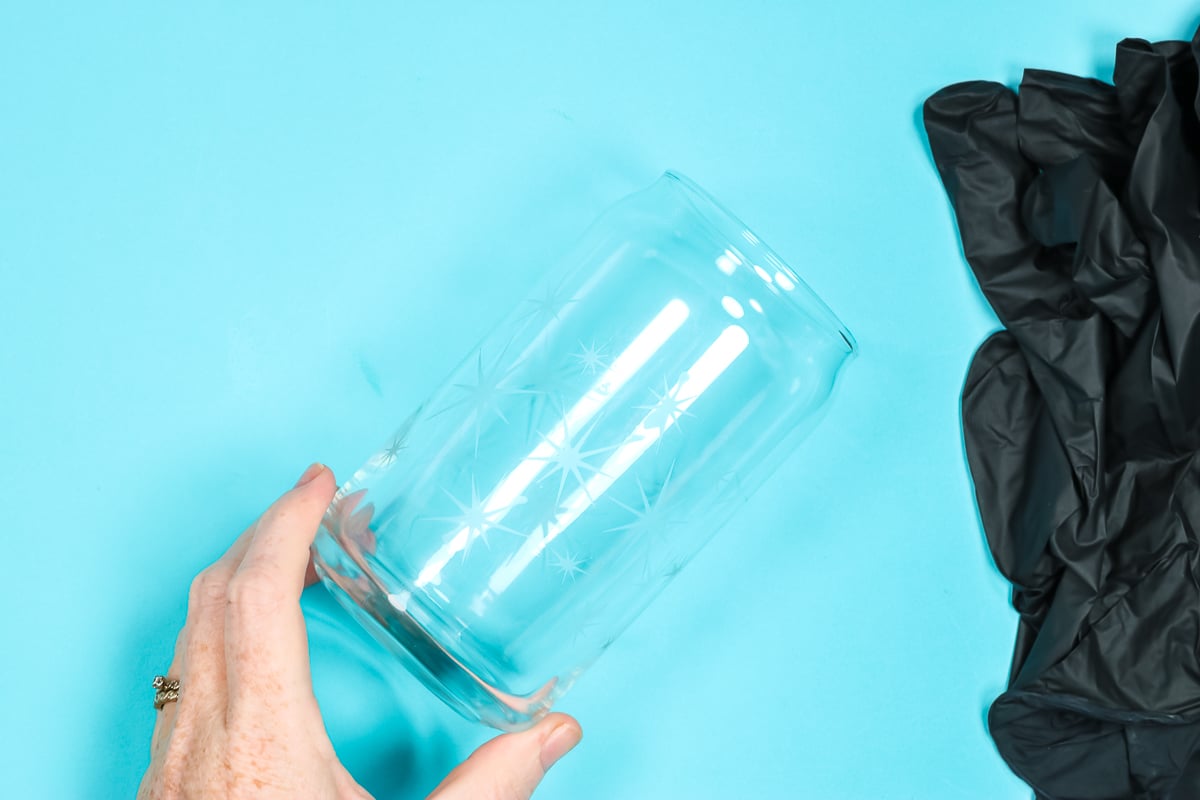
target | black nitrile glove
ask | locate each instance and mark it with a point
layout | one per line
(1078, 203)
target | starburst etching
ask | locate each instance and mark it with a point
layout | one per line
(550, 514)
(550, 305)
(391, 452)
(667, 409)
(654, 516)
(569, 458)
(399, 442)
(592, 358)
(544, 376)
(567, 565)
(477, 519)
(484, 396)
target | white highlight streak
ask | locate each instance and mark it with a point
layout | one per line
(714, 361)
(625, 366)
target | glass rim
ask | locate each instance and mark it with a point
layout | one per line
(723, 222)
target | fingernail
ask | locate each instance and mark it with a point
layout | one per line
(559, 743)
(310, 473)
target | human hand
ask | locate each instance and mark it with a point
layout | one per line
(247, 725)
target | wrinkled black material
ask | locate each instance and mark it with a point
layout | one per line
(1078, 204)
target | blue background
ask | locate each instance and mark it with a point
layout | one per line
(233, 241)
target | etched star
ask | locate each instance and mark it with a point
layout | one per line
(652, 517)
(567, 565)
(544, 376)
(484, 397)
(399, 441)
(668, 408)
(484, 394)
(550, 515)
(477, 519)
(570, 458)
(592, 358)
(390, 453)
(549, 306)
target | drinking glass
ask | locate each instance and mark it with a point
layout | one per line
(570, 466)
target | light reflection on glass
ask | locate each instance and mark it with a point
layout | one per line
(728, 261)
(708, 367)
(508, 493)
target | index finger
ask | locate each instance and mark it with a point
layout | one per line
(266, 645)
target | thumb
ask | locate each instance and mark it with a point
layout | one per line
(511, 766)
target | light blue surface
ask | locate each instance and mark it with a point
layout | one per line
(227, 240)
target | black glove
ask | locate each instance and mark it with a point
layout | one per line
(1078, 203)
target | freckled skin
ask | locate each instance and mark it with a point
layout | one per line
(246, 724)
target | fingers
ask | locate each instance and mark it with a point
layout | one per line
(206, 609)
(201, 659)
(200, 652)
(266, 647)
(278, 553)
(511, 766)
(164, 721)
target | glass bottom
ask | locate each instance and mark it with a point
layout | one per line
(419, 650)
